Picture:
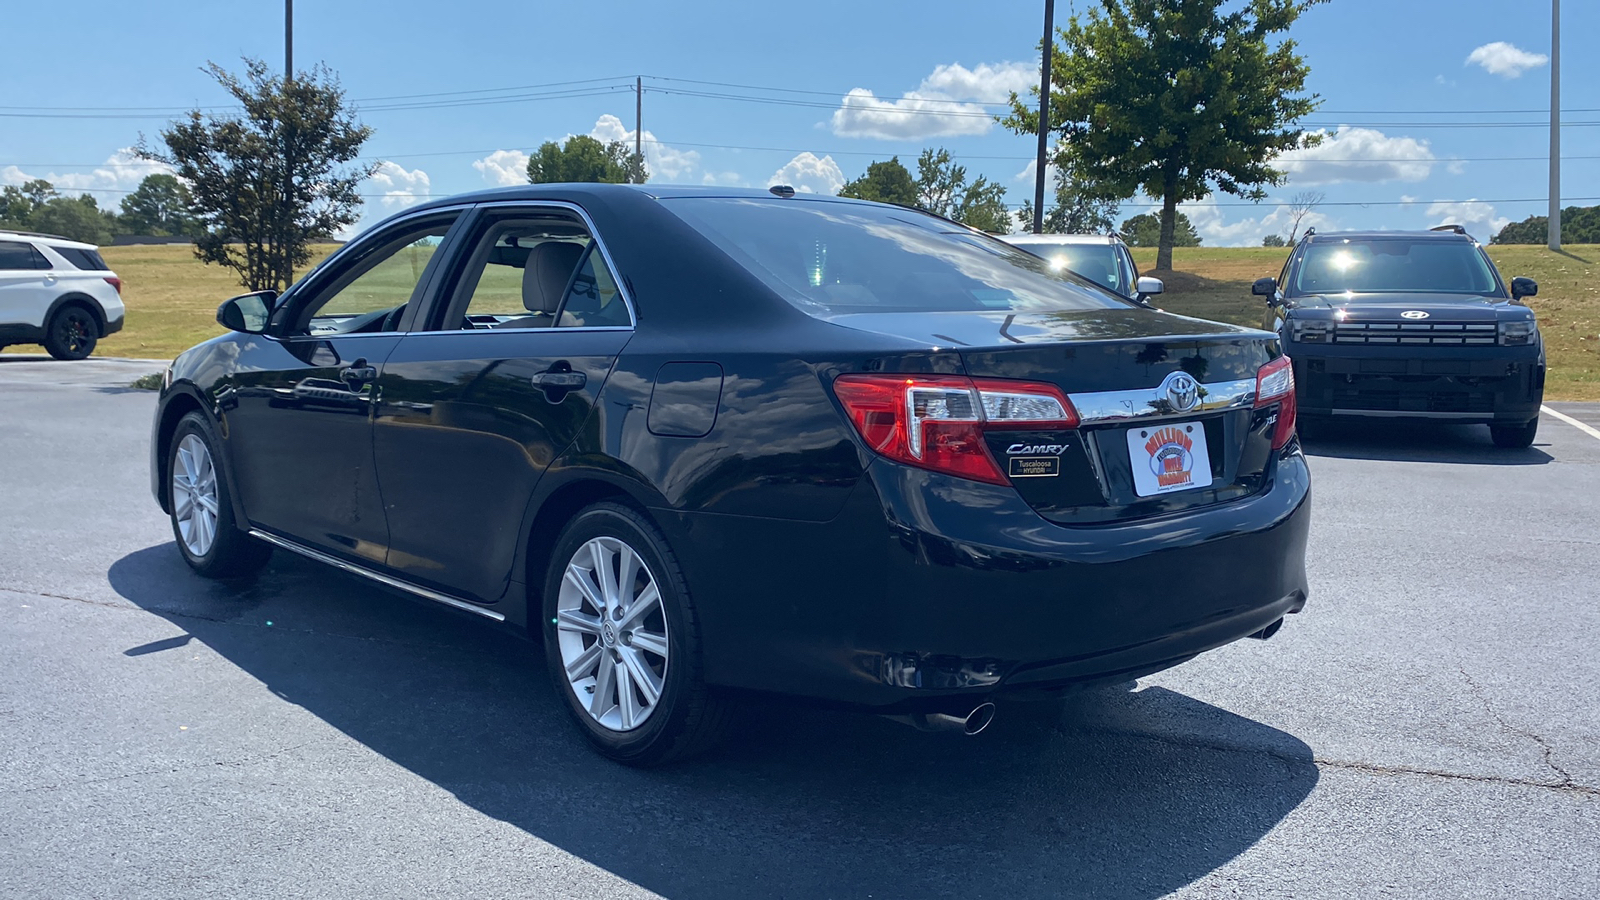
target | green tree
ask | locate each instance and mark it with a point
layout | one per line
(983, 206)
(1579, 225)
(79, 218)
(582, 158)
(1146, 231)
(1078, 209)
(1176, 98)
(885, 182)
(268, 182)
(942, 189)
(1274, 240)
(158, 206)
(18, 203)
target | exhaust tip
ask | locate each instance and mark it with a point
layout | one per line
(1268, 631)
(979, 719)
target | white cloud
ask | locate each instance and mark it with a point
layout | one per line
(1477, 217)
(503, 168)
(660, 160)
(1359, 154)
(399, 187)
(724, 179)
(809, 174)
(947, 103)
(1208, 219)
(1505, 60)
(108, 183)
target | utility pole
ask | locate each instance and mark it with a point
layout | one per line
(288, 40)
(1044, 114)
(638, 116)
(1555, 125)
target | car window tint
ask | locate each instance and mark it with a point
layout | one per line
(840, 257)
(382, 279)
(594, 299)
(20, 255)
(87, 260)
(519, 272)
(1394, 265)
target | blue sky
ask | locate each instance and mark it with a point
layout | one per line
(1388, 71)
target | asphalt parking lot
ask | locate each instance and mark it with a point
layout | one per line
(1430, 726)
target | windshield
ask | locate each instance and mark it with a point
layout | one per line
(1100, 263)
(830, 257)
(1394, 265)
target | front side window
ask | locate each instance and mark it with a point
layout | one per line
(836, 257)
(1394, 265)
(537, 271)
(18, 255)
(372, 291)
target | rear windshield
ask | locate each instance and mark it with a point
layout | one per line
(1394, 264)
(828, 257)
(88, 260)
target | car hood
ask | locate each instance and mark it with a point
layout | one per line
(982, 328)
(1455, 307)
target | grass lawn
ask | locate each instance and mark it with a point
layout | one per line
(172, 299)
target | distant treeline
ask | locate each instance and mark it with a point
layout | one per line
(1579, 225)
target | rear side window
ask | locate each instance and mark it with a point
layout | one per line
(837, 257)
(87, 260)
(16, 255)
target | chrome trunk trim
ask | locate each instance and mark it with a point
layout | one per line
(1151, 403)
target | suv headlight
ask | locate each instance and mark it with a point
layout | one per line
(1518, 332)
(1314, 331)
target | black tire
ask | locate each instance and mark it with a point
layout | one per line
(688, 718)
(71, 333)
(1514, 437)
(232, 553)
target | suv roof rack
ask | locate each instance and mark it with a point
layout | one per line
(1454, 229)
(1309, 233)
(39, 234)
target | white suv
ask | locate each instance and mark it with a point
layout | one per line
(56, 292)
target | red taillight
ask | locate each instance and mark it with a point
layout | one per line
(1275, 384)
(115, 282)
(937, 421)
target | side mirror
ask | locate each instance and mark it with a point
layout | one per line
(248, 313)
(1147, 285)
(1264, 287)
(1523, 287)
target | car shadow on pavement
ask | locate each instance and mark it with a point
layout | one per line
(1124, 794)
(1417, 442)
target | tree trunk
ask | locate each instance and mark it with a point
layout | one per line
(1169, 227)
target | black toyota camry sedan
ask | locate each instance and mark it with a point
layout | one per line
(1409, 325)
(706, 442)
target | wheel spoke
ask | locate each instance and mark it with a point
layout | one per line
(579, 579)
(605, 686)
(573, 620)
(648, 599)
(182, 502)
(650, 642)
(602, 572)
(584, 663)
(627, 700)
(627, 572)
(642, 675)
(209, 504)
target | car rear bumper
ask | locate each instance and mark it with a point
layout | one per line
(928, 589)
(1500, 386)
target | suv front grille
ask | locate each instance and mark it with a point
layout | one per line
(1415, 401)
(1449, 333)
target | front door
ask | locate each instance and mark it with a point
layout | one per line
(472, 415)
(298, 424)
(24, 296)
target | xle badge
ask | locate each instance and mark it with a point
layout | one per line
(1035, 466)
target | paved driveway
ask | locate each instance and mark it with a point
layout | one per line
(1429, 726)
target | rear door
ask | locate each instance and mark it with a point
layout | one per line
(25, 295)
(474, 408)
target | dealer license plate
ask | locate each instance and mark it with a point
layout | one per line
(1171, 456)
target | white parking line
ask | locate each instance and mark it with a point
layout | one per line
(1590, 430)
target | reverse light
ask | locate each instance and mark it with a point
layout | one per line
(937, 422)
(1516, 333)
(1275, 385)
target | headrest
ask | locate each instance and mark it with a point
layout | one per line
(544, 278)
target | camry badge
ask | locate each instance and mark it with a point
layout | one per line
(1414, 314)
(1181, 391)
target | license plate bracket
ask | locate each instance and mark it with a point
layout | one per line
(1168, 457)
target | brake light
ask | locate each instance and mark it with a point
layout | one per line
(937, 421)
(1275, 384)
(115, 282)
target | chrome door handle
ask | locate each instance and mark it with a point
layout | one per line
(357, 374)
(563, 381)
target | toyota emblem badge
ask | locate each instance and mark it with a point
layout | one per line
(1181, 391)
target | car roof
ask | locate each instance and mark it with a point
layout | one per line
(656, 191)
(1321, 238)
(49, 240)
(1026, 238)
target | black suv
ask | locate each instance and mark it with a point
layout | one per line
(1408, 325)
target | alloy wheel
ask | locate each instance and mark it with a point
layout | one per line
(612, 632)
(74, 332)
(194, 495)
